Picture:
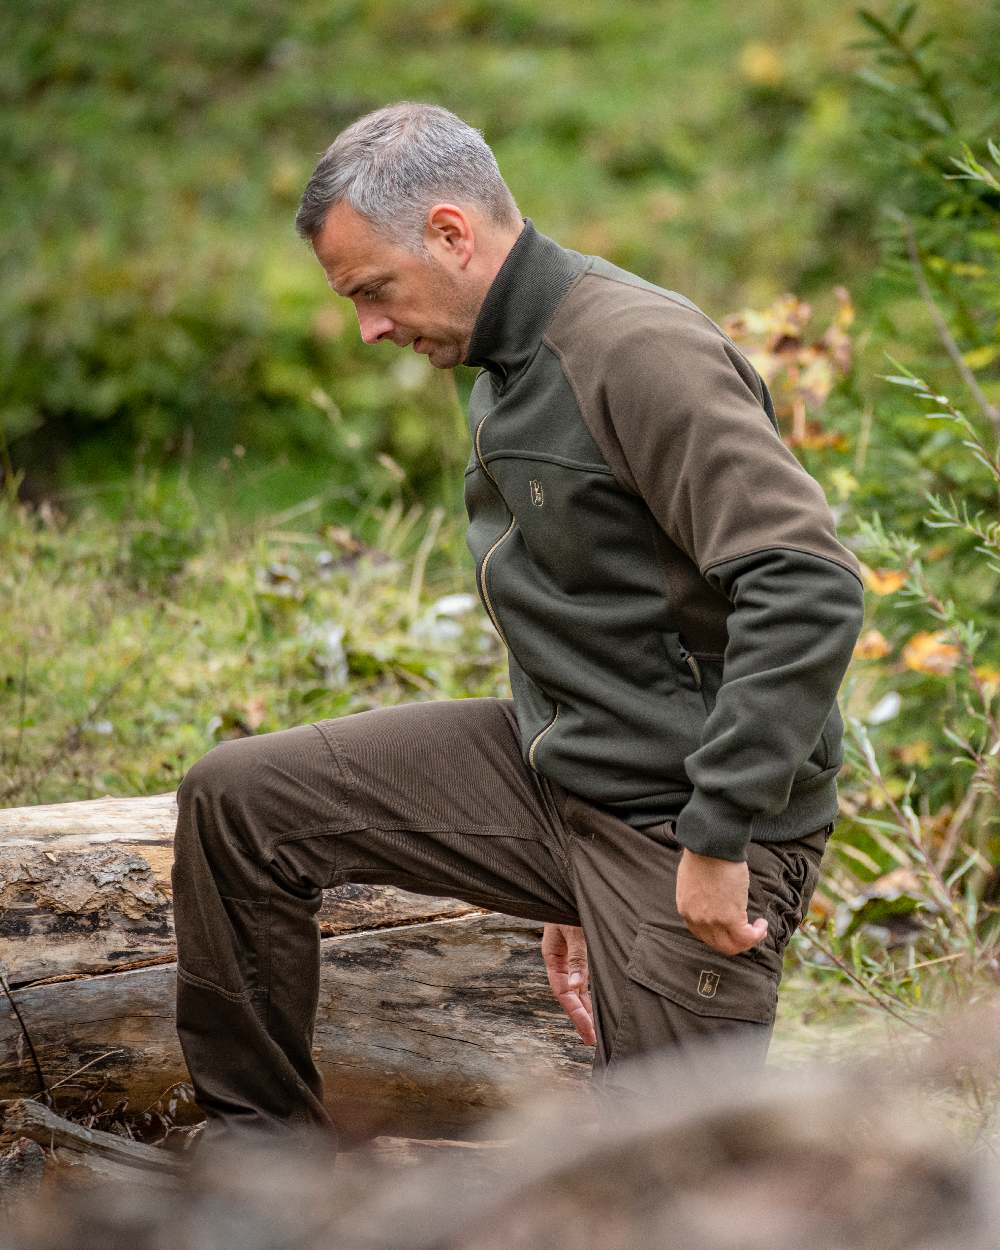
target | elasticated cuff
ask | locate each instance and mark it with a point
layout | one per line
(712, 826)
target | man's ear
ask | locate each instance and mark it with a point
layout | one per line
(449, 234)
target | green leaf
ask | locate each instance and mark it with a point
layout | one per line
(914, 383)
(875, 22)
(906, 16)
(877, 81)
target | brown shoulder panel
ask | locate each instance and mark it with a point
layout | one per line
(676, 410)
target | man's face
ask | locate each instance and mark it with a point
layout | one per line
(429, 303)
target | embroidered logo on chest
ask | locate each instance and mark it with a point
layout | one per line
(708, 983)
(537, 494)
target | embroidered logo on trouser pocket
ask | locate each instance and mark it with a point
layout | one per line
(708, 983)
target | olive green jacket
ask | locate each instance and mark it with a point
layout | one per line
(667, 578)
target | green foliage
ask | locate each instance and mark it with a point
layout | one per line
(154, 295)
(940, 227)
(128, 655)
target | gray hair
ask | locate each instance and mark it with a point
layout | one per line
(393, 164)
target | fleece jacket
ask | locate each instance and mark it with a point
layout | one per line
(677, 608)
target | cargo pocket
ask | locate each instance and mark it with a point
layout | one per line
(680, 991)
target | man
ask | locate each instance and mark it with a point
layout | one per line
(678, 613)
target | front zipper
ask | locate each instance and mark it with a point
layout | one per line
(484, 589)
(538, 737)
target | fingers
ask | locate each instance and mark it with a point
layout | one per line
(730, 939)
(564, 950)
(580, 1011)
(553, 942)
(576, 950)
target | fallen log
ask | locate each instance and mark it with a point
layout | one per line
(31, 1119)
(431, 1010)
(85, 889)
(109, 1156)
(421, 1029)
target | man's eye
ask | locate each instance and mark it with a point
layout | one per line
(373, 293)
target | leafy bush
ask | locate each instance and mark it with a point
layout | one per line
(909, 911)
(155, 298)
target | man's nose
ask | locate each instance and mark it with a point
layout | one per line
(374, 326)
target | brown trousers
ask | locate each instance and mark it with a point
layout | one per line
(434, 797)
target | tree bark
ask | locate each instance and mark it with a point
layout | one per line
(422, 1029)
(85, 889)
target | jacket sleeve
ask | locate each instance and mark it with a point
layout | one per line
(704, 453)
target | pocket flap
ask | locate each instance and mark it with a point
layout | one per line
(682, 968)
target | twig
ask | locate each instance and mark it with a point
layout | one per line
(867, 989)
(951, 347)
(159, 1097)
(119, 1050)
(43, 1088)
(954, 830)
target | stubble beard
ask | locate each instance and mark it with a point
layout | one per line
(464, 304)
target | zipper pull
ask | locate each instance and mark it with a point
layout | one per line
(692, 664)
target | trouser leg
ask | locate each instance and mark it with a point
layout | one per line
(430, 796)
(653, 984)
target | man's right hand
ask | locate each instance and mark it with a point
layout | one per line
(564, 950)
(712, 900)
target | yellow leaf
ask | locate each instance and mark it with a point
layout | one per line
(845, 307)
(980, 357)
(816, 438)
(884, 581)
(968, 269)
(821, 906)
(989, 675)
(843, 482)
(930, 652)
(761, 64)
(872, 645)
(918, 753)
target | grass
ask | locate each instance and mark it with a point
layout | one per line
(134, 644)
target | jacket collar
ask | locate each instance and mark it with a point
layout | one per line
(519, 304)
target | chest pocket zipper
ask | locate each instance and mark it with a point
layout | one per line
(692, 664)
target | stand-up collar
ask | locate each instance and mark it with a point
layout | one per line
(520, 302)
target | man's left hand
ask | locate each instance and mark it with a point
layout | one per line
(712, 900)
(564, 949)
